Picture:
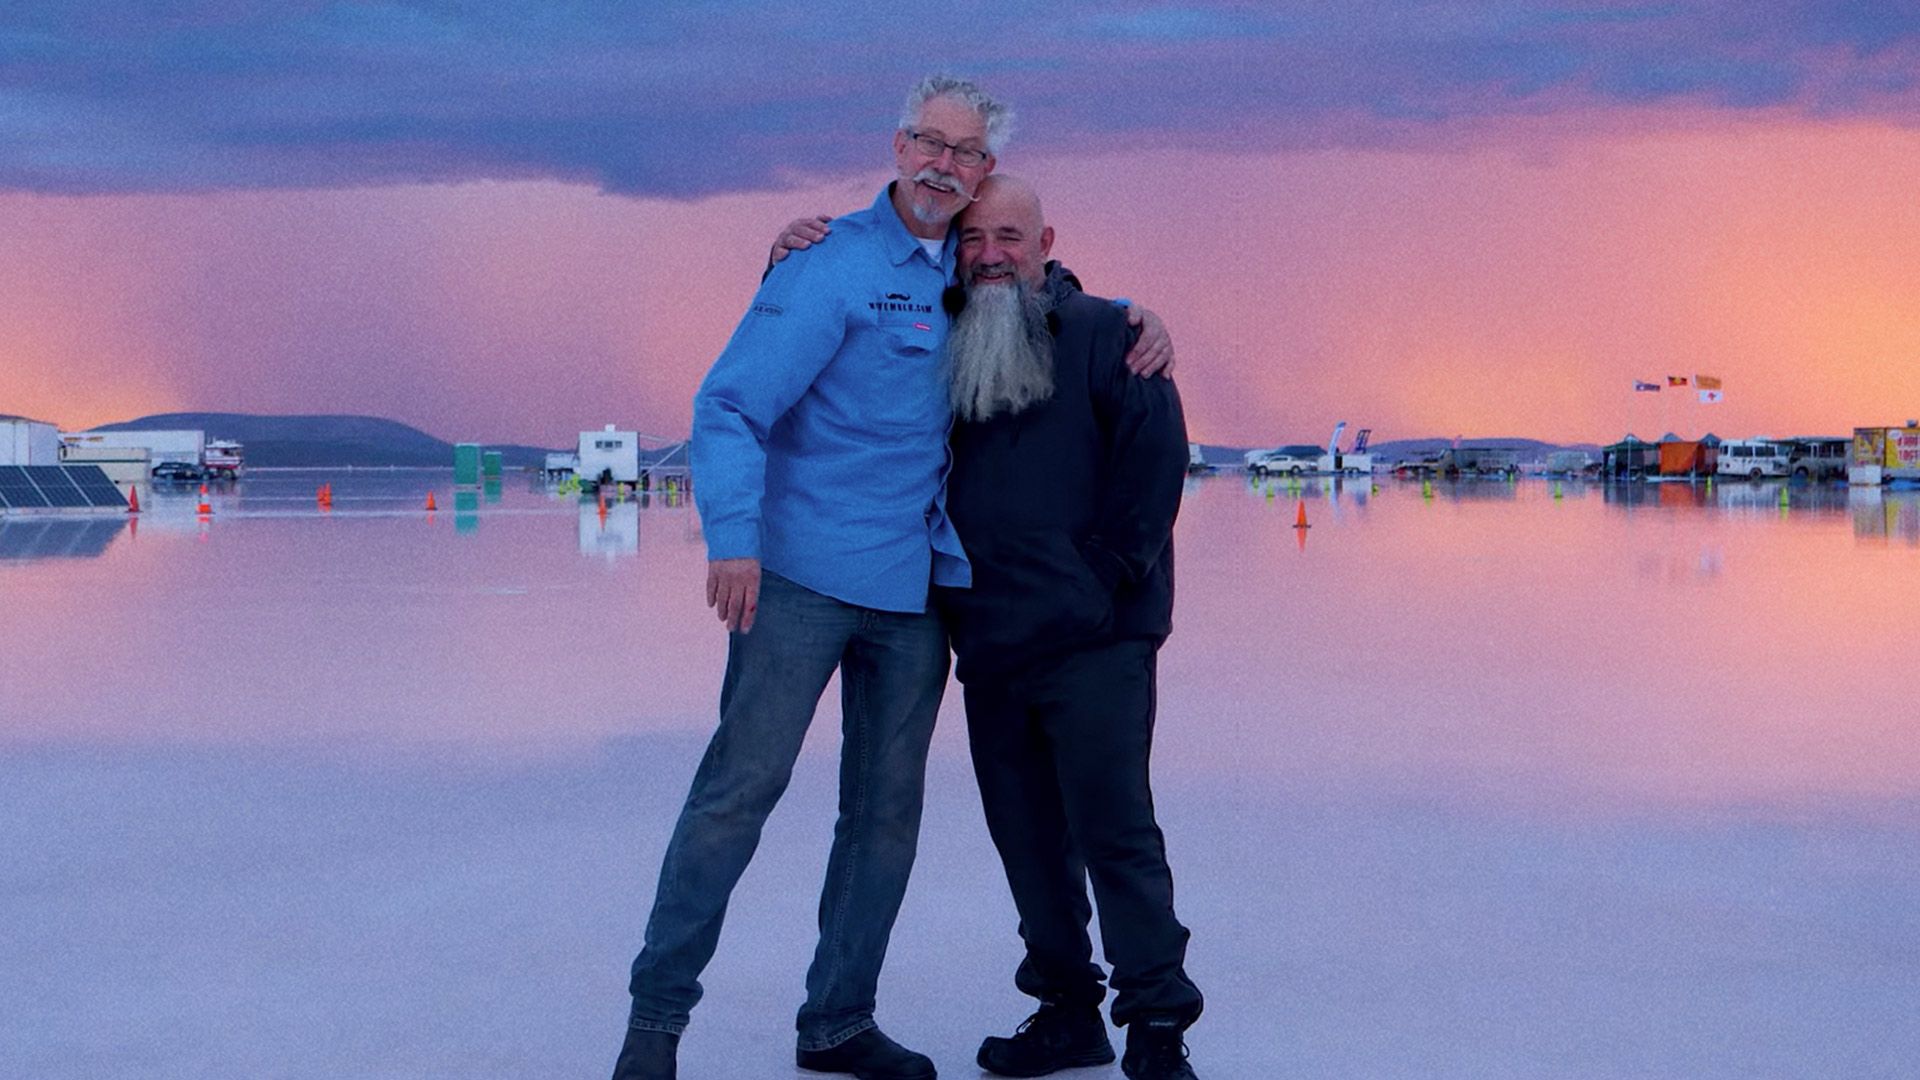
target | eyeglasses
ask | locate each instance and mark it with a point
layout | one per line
(966, 157)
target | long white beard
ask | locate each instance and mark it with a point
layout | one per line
(999, 352)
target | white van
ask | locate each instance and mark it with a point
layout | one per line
(1753, 458)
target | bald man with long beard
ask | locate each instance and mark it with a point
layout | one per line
(1067, 476)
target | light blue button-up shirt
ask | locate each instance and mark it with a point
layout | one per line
(820, 434)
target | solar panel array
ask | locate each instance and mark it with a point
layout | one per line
(57, 487)
(93, 483)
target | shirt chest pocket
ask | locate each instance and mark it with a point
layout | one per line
(903, 388)
(910, 331)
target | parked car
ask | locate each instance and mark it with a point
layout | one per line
(1286, 460)
(179, 472)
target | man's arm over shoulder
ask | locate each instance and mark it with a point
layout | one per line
(1146, 435)
(1150, 352)
(791, 331)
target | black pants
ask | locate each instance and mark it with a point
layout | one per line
(1061, 752)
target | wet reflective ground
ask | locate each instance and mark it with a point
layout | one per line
(1481, 780)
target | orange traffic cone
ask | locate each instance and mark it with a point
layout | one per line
(603, 504)
(133, 500)
(430, 506)
(1300, 518)
(206, 508)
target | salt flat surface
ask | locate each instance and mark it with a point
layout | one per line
(1490, 784)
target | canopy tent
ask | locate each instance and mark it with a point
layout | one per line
(1631, 456)
(1680, 458)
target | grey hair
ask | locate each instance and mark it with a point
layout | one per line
(997, 114)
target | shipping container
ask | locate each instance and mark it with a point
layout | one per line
(28, 442)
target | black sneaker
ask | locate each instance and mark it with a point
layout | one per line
(1055, 1037)
(647, 1055)
(869, 1055)
(1157, 1050)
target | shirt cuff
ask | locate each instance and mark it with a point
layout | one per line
(733, 541)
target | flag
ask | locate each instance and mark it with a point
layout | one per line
(1676, 380)
(1645, 387)
(1707, 382)
(1711, 397)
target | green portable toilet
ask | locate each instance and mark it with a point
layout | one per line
(490, 463)
(466, 463)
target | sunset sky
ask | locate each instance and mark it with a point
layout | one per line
(513, 221)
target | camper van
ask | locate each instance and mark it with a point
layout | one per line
(1754, 458)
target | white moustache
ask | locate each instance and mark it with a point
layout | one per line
(935, 176)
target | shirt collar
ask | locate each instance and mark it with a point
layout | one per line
(902, 245)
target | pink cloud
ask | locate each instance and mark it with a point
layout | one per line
(1515, 289)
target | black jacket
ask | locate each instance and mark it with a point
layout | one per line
(1066, 508)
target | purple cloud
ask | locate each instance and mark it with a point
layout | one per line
(683, 99)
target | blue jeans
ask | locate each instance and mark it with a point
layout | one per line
(893, 669)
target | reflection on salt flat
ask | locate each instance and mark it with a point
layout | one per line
(1466, 780)
(1520, 641)
(1881, 515)
(48, 537)
(609, 530)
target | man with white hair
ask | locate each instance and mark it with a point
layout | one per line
(819, 441)
(1067, 476)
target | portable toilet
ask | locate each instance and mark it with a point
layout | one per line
(490, 463)
(466, 463)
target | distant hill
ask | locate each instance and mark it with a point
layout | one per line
(1529, 449)
(1409, 449)
(310, 441)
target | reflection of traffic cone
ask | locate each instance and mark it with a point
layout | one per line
(1300, 516)
(603, 504)
(133, 500)
(430, 506)
(206, 508)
